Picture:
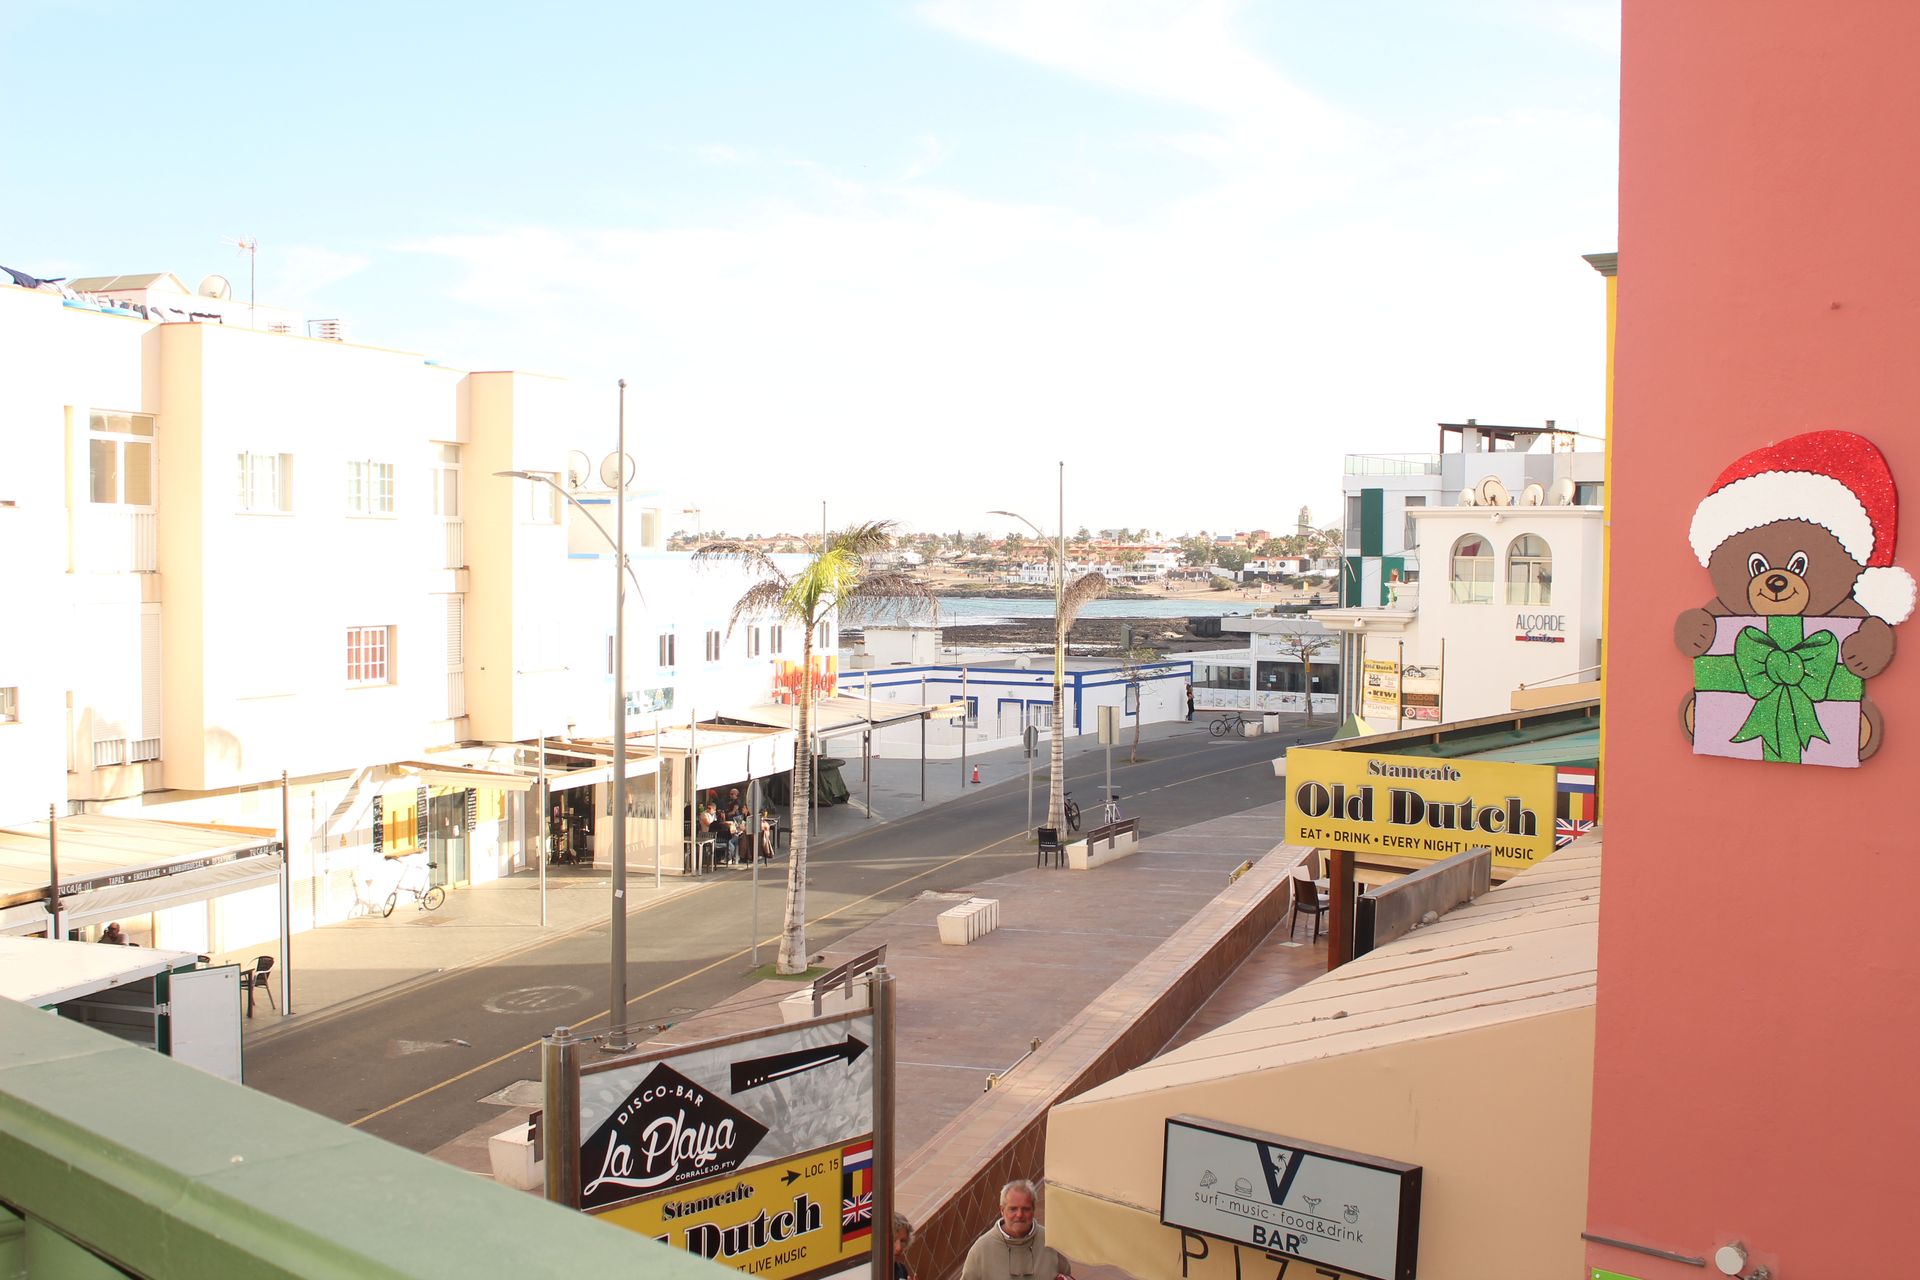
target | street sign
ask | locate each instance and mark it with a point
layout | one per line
(1322, 1205)
(1109, 725)
(1031, 736)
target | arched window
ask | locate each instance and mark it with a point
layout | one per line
(1473, 570)
(1529, 570)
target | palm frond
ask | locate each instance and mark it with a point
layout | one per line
(863, 540)
(890, 596)
(1080, 592)
(765, 597)
(733, 551)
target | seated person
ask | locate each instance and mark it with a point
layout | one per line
(722, 832)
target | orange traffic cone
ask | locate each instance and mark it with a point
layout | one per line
(976, 773)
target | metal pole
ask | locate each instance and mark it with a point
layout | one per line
(923, 737)
(759, 850)
(1400, 686)
(1440, 696)
(880, 995)
(659, 814)
(53, 876)
(617, 1008)
(286, 900)
(866, 761)
(560, 1121)
(964, 718)
(1026, 747)
(540, 831)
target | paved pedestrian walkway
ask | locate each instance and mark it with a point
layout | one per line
(341, 965)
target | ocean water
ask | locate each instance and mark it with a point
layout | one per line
(964, 610)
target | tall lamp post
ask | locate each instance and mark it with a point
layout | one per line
(617, 1040)
(1059, 608)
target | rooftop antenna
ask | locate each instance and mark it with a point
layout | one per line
(249, 245)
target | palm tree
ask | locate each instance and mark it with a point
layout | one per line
(837, 577)
(1067, 611)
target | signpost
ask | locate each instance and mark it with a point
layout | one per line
(1322, 1205)
(770, 1151)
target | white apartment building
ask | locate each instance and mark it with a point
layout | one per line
(1472, 577)
(233, 554)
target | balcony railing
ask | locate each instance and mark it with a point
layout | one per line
(456, 694)
(1393, 464)
(456, 545)
(116, 540)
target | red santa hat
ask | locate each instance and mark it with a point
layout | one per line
(1834, 479)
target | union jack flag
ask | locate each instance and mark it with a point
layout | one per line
(1567, 830)
(856, 1214)
(1577, 802)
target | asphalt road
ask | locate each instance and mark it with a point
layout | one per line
(413, 1066)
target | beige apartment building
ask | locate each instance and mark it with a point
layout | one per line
(228, 554)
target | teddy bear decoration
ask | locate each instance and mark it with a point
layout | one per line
(1798, 540)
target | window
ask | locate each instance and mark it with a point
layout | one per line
(266, 481)
(1472, 570)
(776, 640)
(543, 502)
(446, 483)
(370, 488)
(826, 636)
(1411, 538)
(120, 458)
(713, 646)
(667, 654)
(1529, 570)
(1353, 521)
(1208, 676)
(973, 712)
(1589, 493)
(9, 703)
(369, 653)
(753, 642)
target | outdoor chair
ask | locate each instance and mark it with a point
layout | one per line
(257, 975)
(1050, 846)
(1306, 897)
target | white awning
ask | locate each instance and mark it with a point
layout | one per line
(124, 866)
(837, 715)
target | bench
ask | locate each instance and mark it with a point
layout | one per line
(970, 921)
(1104, 844)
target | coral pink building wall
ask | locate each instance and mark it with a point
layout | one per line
(1759, 999)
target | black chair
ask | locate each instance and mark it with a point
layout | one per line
(1050, 846)
(1306, 897)
(258, 975)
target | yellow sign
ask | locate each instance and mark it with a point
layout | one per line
(1419, 806)
(1382, 681)
(782, 1220)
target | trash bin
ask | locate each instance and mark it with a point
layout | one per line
(1270, 721)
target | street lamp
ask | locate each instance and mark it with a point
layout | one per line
(1059, 629)
(617, 1040)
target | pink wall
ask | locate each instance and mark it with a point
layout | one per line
(1759, 1015)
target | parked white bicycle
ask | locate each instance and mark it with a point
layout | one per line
(426, 897)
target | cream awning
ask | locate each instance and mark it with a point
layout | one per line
(837, 715)
(120, 866)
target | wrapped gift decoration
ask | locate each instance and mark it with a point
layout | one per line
(1774, 689)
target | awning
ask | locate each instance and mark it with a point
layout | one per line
(122, 866)
(837, 715)
(45, 972)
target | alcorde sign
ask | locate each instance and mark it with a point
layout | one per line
(1418, 807)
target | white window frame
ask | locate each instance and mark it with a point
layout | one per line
(447, 483)
(776, 639)
(713, 646)
(824, 640)
(543, 501)
(369, 487)
(271, 472)
(103, 428)
(372, 665)
(753, 642)
(1475, 587)
(9, 704)
(668, 649)
(1529, 577)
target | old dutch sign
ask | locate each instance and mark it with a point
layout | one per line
(755, 1152)
(1421, 807)
(1331, 1208)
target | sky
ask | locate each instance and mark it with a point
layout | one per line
(899, 258)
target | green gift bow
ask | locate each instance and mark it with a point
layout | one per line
(1785, 679)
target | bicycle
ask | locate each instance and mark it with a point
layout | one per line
(1072, 812)
(427, 899)
(1232, 722)
(1110, 809)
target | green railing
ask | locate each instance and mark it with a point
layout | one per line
(112, 1155)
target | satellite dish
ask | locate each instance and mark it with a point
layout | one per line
(579, 467)
(215, 287)
(612, 465)
(1492, 492)
(1561, 495)
(1534, 495)
(1468, 498)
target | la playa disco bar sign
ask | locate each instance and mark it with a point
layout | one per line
(1420, 807)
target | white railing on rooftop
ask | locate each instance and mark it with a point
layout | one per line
(1393, 464)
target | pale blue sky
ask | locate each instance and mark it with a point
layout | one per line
(899, 257)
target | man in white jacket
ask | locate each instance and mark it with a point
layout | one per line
(1016, 1245)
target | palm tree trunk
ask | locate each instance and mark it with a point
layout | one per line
(793, 936)
(1057, 753)
(1306, 683)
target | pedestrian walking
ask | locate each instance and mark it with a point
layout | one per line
(1189, 700)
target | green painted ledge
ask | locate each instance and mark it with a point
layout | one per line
(171, 1172)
